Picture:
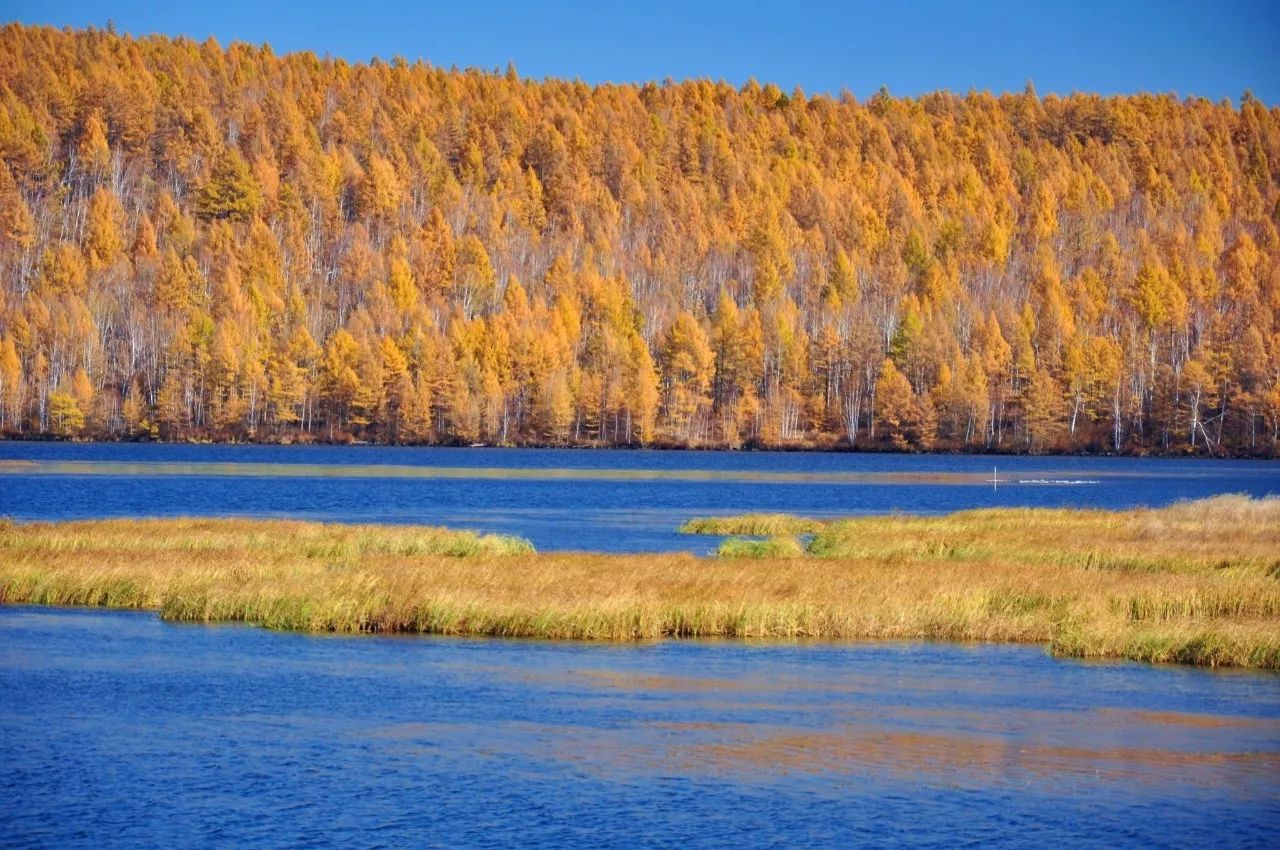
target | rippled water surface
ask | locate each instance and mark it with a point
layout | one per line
(567, 499)
(118, 730)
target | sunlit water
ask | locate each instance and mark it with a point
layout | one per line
(118, 730)
(566, 499)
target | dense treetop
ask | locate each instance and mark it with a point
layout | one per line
(223, 242)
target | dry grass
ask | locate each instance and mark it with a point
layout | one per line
(1194, 584)
(1224, 532)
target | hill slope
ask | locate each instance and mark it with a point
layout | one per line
(229, 243)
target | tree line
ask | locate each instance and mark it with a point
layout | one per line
(225, 243)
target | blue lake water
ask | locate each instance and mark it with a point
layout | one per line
(574, 499)
(119, 730)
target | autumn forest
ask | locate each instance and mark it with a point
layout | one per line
(207, 242)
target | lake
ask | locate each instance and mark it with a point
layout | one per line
(118, 730)
(618, 501)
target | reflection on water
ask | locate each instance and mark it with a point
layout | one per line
(117, 729)
(511, 473)
(563, 499)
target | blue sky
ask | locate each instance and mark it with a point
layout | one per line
(1212, 48)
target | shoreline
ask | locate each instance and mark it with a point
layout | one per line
(1100, 661)
(1196, 583)
(834, 449)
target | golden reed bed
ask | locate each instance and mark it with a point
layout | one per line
(1197, 583)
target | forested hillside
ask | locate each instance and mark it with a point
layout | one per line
(209, 242)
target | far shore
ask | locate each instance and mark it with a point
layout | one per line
(789, 448)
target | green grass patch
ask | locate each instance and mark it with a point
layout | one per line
(753, 525)
(781, 548)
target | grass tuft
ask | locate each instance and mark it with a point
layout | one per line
(753, 525)
(777, 548)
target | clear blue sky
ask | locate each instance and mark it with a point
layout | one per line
(1212, 48)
